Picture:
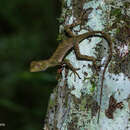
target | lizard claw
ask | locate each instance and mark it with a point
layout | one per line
(76, 72)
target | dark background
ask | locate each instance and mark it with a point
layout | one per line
(28, 31)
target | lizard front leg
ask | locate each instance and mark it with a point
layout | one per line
(74, 70)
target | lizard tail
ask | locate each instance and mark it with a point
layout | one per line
(101, 88)
(103, 75)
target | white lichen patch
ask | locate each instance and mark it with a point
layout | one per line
(123, 50)
(119, 85)
(70, 20)
(86, 47)
(96, 18)
(68, 3)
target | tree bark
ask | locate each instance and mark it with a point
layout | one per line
(74, 104)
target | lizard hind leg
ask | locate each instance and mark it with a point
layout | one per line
(83, 57)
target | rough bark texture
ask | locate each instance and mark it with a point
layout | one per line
(74, 104)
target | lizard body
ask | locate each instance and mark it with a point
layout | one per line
(63, 48)
(58, 57)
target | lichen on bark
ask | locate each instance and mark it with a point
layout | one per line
(74, 104)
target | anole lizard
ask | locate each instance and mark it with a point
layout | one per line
(58, 56)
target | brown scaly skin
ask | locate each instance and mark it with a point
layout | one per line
(41, 65)
(73, 42)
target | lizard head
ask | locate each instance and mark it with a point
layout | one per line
(37, 66)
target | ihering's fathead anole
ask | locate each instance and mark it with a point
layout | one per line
(72, 42)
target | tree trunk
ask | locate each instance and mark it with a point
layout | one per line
(75, 103)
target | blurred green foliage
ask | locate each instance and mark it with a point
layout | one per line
(28, 31)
